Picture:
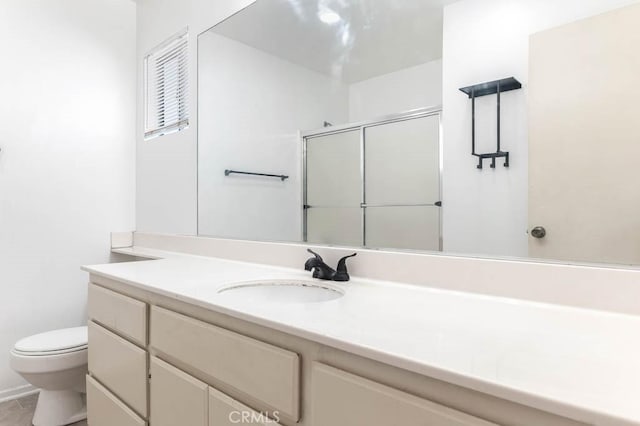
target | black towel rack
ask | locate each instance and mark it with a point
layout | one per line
(490, 88)
(237, 172)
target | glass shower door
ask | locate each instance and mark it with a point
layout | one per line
(375, 185)
(333, 214)
(402, 184)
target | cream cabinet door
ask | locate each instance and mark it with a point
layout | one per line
(104, 409)
(120, 365)
(225, 411)
(263, 375)
(119, 313)
(176, 397)
(343, 399)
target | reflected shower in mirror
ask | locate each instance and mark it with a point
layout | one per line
(376, 184)
(338, 97)
(352, 123)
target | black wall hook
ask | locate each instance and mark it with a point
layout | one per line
(490, 88)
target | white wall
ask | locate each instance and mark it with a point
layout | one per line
(67, 160)
(252, 106)
(166, 169)
(411, 88)
(486, 211)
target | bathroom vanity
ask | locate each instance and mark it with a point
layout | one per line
(170, 343)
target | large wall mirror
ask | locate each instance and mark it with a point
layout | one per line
(482, 127)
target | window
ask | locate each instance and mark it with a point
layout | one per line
(166, 87)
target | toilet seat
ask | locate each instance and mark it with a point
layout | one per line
(49, 353)
(56, 342)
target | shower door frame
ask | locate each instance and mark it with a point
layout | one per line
(361, 127)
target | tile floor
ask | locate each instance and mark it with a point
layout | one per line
(19, 412)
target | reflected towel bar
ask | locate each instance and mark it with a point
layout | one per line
(228, 172)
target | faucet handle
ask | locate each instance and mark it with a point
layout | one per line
(341, 270)
(315, 254)
(313, 262)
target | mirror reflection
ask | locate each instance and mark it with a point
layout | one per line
(497, 128)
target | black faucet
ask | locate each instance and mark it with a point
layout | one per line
(323, 271)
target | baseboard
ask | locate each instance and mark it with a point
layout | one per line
(15, 393)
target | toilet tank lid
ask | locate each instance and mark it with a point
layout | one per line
(56, 340)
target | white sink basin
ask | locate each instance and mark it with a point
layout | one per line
(282, 291)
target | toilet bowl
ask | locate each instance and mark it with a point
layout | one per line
(56, 363)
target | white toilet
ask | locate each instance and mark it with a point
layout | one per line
(55, 362)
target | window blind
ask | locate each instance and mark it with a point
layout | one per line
(167, 87)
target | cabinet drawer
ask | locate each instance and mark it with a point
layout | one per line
(374, 404)
(104, 409)
(267, 375)
(226, 411)
(120, 365)
(120, 313)
(176, 397)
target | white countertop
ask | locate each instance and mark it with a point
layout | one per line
(577, 363)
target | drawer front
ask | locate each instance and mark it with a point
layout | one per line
(104, 409)
(120, 365)
(343, 399)
(120, 313)
(226, 411)
(268, 375)
(176, 397)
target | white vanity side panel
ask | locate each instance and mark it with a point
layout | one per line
(104, 409)
(344, 399)
(263, 372)
(120, 313)
(120, 365)
(226, 411)
(176, 397)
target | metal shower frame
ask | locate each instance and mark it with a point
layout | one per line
(361, 127)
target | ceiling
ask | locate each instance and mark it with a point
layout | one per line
(352, 40)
